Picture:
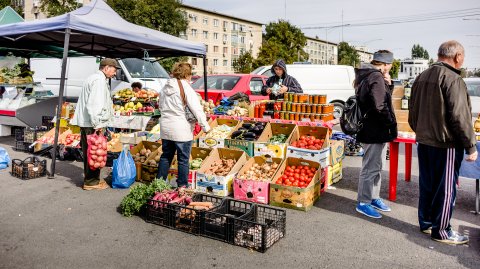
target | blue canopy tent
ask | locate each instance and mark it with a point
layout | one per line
(96, 30)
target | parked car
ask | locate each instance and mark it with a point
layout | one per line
(336, 81)
(473, 87)
(220, 86)
(194, 78)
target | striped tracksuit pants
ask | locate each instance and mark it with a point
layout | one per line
(438, 177)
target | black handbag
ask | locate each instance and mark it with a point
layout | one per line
(188, 113)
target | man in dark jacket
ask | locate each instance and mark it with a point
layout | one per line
(373, 90)
(440, 115)
(281, 82)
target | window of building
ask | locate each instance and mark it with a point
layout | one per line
(194, 32)
(206, 48)
(225, 50)
(205, 20)
(193, 17)
(194, 61)
(225, 37)
(242, 40)
(215, 62)
(225, 25)
(216, 22)
(205, 34)
(234, 39)
(215, 36)
(215, 48)
(225, 62)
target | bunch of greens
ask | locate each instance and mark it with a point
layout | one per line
(139, 194)
(279, 138)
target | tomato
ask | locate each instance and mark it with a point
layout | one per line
(288, 183)
(293, 167)
(297, 171)
(295, 184)
(303, 137)
(310, 142)
(279, 182)
(310, 174)
(296, 176)
(313, 169)
(289, 169)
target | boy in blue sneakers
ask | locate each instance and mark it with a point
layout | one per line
(373, 89)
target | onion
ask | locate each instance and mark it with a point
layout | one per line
(91, 162)
(102, 164)
(93, 147)
(93, 152)
(96, 165)
(104, 145)
(93, 157)
(99, 158)
(101, 152)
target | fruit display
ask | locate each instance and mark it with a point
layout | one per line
(219, 132)
(207, 106)
(220, 167)
(249, 131)
(114, 143)
(46, 139)
(125, 93)
(279, 138)
(132, 107)
(70, 139)
(258, 172)
(308, 142)
(146, 94)
(297, 176)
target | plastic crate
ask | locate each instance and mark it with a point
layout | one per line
(218, 222)
(32, 134)
(31, 167)
(23, 147)
(159, 213)
(19, 134)
(260, 228)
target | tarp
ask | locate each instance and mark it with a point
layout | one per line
(97, 30)
(8, 15)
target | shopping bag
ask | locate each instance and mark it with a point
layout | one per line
(4, 159)
(97, 150)
(124, 171)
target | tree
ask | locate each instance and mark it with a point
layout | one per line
(395, 68)
(430, 62)
(16, 5)
(58, 7)
(418, 52)
(347, 55)
(244, 63)
(284, 41)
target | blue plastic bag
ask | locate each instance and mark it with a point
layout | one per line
(4, 159)
(124, 171)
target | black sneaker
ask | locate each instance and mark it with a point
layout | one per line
(453, 238)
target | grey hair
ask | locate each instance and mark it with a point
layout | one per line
(449, 49)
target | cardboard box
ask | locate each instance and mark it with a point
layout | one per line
(397, 103)
(253, 190)
(322, 156)
(398, 92)
(153, 146)
(337, 151)
(404, 127)
(149, 172)
(133, 138)
(278, 150)
(202, 153)
(220, 185)
(401, 115)
(294, 197)
(216, 142)
(335, 173)
(245, 145)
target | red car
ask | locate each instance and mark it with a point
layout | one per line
(220, 86)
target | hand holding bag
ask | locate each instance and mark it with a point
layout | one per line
(188, 113)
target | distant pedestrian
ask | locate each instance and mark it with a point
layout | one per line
(440, 115)
(94, 112)
(136, 86)
(374, 95)
(280, 82)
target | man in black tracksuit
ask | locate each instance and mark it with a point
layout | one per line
(440, 115)
(281, 82)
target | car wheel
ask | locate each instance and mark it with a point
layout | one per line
(338, 109)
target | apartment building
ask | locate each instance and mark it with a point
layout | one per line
(32, 9)
(411, 68)
(321, 51)
(225, 37)
(365, 55)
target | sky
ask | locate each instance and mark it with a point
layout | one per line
(398, 38)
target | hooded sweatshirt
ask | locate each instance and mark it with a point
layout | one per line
(287, 80)
(173, 122)
(374, 97)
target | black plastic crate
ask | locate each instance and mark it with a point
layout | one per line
(32, 134)
(218, 223)
(47, 122)
(260, 228)
(157, 212)
(31, 167)
(23, 146)
(19, 134)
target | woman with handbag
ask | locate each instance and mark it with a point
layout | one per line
(180, 109)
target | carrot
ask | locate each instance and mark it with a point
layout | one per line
(199, 207)
(205, 204)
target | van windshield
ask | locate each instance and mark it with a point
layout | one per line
(139, 68)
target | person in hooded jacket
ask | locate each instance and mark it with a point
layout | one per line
(374, 96)
(280, 83)
(175, 130)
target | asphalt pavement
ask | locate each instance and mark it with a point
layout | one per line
(53, 223)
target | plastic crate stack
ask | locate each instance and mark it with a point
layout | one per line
(20, 144)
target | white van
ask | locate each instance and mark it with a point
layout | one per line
(48, 70)
(336, 81)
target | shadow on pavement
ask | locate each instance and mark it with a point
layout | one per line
(465, 256)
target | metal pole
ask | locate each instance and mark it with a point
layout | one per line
(60, 99)
(326, 39)
(205, 77)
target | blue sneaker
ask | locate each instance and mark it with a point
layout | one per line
(368, 211)
(380, 205)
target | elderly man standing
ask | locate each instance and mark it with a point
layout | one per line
(440, 114)
(93, 113)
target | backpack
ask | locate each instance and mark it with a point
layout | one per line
(351, 120)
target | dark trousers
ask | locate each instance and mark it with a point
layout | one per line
(91, 177)
(183, 150)
(438, 178)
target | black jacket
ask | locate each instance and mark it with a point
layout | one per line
(440, 109)
(289, 81)
(374, 97)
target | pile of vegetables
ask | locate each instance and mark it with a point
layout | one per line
(139, 195)
(114, 143)
(297, 176)
(71, 138)
(249, 131)
(46, 139)
(154, 161)
(219, 132)
(142, 156)
(221, 167)
(97, 151)
(279, 138)
(196, 163)
(237, 111)
(308, 142)
(258, 172)
(207, 106)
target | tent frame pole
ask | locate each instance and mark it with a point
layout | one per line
(66, 44)
(205, 77)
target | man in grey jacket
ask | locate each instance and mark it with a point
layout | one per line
(440, 114)
(93, 113)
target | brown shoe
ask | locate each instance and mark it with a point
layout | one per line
(100, 186)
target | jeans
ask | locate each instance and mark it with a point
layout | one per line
(371, 174)
(183, 150)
